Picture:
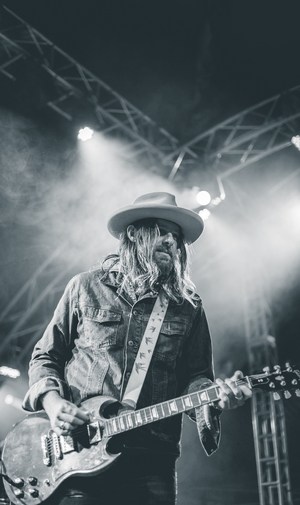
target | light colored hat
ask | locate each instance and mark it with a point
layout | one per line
(161, 206)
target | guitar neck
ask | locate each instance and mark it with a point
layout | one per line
(133, 419)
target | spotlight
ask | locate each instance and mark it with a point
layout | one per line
(85, 134)
(296, 141)
(203, 198)
(13, 401)
(12, 373)
(204, 213)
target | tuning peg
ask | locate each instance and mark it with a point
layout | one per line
(266, 369)
(287, 394)
(277, 368)
(276, 396)
(297, 391)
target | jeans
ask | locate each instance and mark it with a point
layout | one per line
(138, 478)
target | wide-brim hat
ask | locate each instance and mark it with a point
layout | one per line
(160, 206)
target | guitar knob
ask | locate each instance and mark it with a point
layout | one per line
(276, 396)
(19, 493)
(287, 394)
(33, 492)
(18, 482)
(297, 392)
(33, 481)
(283, 383)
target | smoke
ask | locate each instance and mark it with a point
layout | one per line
(55, 192)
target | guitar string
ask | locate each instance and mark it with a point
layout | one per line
(134, 412)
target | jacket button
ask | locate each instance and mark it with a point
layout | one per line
(130, 342)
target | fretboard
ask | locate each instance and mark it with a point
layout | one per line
(134, 419)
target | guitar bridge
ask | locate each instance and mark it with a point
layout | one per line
(94, 433)
(45, 443)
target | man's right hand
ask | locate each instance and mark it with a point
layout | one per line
(64, 416)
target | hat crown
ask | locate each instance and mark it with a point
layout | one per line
(157, 198)
(157, 205)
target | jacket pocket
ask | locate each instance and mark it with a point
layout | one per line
(169, 345)
(100, 327)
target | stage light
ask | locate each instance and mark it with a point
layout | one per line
(203, 198)
(12, 373)
(85, 134)
(296, 141)
(204, 213)
(13, 401)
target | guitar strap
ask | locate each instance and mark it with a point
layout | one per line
(145, 352)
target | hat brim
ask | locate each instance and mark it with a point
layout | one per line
(190, 223)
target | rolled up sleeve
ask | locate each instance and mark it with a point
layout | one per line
(201, 375)
(47, 364)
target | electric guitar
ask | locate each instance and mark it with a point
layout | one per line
(35, 460)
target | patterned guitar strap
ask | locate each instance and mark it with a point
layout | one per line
(145, 352)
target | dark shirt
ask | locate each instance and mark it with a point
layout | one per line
(90, 345)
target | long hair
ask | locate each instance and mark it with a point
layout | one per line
(138, 271)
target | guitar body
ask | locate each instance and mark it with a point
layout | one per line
(24, 454)
(36, 461)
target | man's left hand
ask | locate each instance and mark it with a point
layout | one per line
(232, 395)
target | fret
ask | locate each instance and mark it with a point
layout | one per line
(108, 428)
(202, 397)
(114, 426)
(144, 415)
(194, 399)
(166, 411)
(121, 421)
(179, 404)
(148, 415)
(160, 410)
(173, 406)
(155, 414)
(138, 418)
(213, 394)
(187, 401)
(130, 423)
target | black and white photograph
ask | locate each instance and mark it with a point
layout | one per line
(150, 252)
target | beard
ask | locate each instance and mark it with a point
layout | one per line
(165, 261)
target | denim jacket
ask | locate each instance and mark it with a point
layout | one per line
(90, 345)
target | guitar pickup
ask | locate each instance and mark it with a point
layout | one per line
(94, 432)
(67, 444)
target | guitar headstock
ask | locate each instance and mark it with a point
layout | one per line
(285, 380)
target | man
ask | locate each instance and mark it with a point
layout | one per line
(91, 346)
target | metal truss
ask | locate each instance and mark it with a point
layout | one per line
(25, 318)
(224, 149)
(72, 82)
(268, 417)
(243, 139)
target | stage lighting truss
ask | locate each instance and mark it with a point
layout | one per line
(230, 146)
(221, 151)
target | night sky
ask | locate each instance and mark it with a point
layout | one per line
(188, 65)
